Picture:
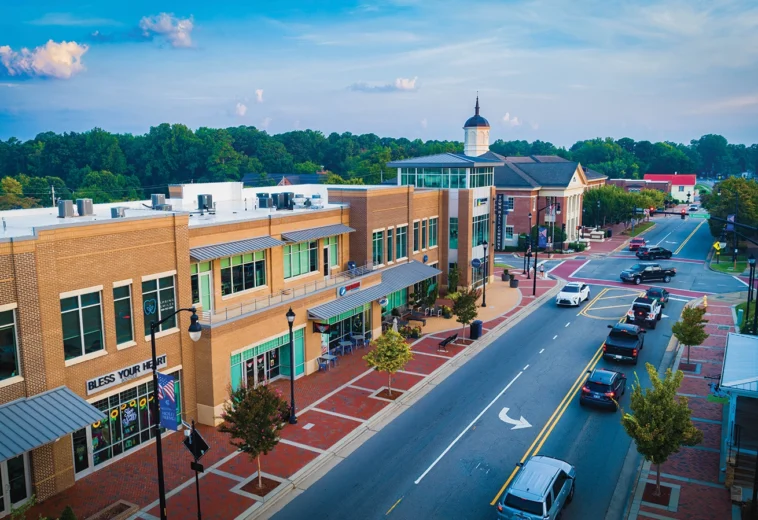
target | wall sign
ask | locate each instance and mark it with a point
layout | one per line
(321, 328)
(117, 377)
(383, 302)
(499, 223)
(342, 291)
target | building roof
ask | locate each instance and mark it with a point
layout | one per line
(31, 422)
(511, 176)
(393, 279)
(316, 233)
(740, 370)
(445, 160)
(239, 247)
(555, 174)
(676, 179)
(592, 175)
(476, 120)
(276, 179)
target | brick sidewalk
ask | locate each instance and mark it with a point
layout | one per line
(693, 472)
(330, 406)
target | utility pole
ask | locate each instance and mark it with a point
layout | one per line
(52, 190)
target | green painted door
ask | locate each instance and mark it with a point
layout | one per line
(205, 291)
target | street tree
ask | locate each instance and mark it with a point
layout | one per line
(391, 353)
(253, 417)
(690, 329)
(659, 421)
(464, 306)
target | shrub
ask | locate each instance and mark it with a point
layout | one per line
(68, 514)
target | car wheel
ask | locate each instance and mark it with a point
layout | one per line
(660, 315)
(637, 280)
(571, 493)
(653, 324)
(667, 278)
(635, 360)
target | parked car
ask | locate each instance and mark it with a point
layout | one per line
(573, 293)
(658, 293)
(653, 252)
(604, 388)
(542, 488)
(645, 311)
(639, 273)
(624, 342)
(636, 243)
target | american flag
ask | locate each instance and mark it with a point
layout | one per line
(169, 389)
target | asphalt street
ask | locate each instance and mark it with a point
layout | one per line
(538, 360)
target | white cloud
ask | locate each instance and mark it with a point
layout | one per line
(69, 20)
(511, 120)
(55, 60)
(259, 95)
(266, 123)
(535, 126)
(400, 85)
(424, 123)
(240, 109)
(178, 31)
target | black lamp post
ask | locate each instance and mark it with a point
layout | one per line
(290, 321)
(195, 331)
(557, 212)
(527, 258)
(484, 284)
(597, 216)
(751, 291)
(734, 225)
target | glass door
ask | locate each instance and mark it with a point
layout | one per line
(81, 451)
(327, 262)
(14, 483)
(205, 291)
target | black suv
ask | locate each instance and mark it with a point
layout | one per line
(624, 342)
(639, 273)
(603, 388)
(645, 311)
(653, 252)
(658, 293)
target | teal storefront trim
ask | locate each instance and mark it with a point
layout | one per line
(280, 342)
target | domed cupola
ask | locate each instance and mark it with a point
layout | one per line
(476, 140)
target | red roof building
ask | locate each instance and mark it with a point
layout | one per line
(682, 185)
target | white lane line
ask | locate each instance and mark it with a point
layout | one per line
(567, 324)
(555, 337)
(678, 299)
(741, 280)
(557, 266)
(541, 351)
(527, 366)
(664, 238)
(498, 396)
(579, 269)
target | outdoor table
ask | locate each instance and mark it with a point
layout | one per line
(339, 349)
(345, 344)
(330, 359)
(361, 338)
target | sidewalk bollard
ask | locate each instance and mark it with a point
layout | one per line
(740, 314)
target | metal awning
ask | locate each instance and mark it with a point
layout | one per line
(31, 422)
(204, 253)
(316, 233)
(740, 370)
(393, 279)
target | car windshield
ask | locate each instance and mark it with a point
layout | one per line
(654, 293)
(637, 267)
(571, 288)
(522, 504)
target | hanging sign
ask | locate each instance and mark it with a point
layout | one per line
(476, 263)
(729, 222)
(542, 237)
(321, 328)
(167, 402)
(123, 375)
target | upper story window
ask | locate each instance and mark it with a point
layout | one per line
(480, 230)
(415, 237)
(433, 177)
(401, 242)
(453, 244)
(122, 307)
(158, 302)
(433, 231)
(82, 321)
(423, 234)
(390, 238)
(243, 272)
(9, 365)
(482, 177)
(332, 244)
(300, 258)
(377, 249)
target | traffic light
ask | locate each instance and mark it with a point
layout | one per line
(684, 214)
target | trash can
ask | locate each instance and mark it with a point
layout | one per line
(608, 233)
(505, 277)
(514, 283)
(476, 329)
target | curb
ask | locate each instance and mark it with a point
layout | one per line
(314, 470)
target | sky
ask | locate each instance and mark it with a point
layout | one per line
(558, 71)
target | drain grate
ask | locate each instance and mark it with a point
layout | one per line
(723, 327)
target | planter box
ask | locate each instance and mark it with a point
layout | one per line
(120, 510)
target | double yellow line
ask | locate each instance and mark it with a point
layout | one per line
(688, 238)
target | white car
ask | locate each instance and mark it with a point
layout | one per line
(573, 293)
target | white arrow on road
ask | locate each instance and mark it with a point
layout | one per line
(517, 425)
(664, 316)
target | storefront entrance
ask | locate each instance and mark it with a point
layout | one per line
(351, 323)
(267, 361)
(264, 368)
(15, 483)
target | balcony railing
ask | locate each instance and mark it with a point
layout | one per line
(285, 295)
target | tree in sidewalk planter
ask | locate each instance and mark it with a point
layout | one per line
(465, 307)
(690, 329)
(453, 277)
(391, 353)
(254, 417)
(68, 514)
(659, 421)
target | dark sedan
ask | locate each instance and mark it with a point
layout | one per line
(603, 388)
(658, 293)
(653, 252)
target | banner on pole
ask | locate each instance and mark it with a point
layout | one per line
(542, 238)
(730, 222)
(167, 402)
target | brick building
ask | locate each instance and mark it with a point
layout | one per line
(637, 185)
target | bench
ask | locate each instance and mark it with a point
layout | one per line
(442, 346)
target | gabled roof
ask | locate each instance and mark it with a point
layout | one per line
(555, 174)
(676, 179)
(444, 160)
(593, 175)
(510, 175)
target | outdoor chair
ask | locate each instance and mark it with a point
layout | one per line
(323, 366)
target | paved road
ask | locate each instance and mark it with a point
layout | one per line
(466, 479)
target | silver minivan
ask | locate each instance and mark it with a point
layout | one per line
(542, 488)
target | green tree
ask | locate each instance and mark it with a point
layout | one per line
(453, 276)
(722, 205)
(391, 354)
(307, 167)
(659, 422)
(465, 307)
(333, 178)
(11, 186)
(253, 417)
(690, 329)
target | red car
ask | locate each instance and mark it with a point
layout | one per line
(636, 243)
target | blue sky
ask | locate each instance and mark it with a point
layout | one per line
(553, 70)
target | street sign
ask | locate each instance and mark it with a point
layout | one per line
(716, 246)
(196, 466)
(476, 263)
(196, 445)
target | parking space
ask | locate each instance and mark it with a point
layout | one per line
(610, 304)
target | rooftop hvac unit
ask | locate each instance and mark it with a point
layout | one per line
(65, 208)
(156, 199)
(118, 212)
(163, 207)
(205, 202)
(299, 200)
(84, 207)
(280, 200)
(265, 202)
(316, 201)
(288, 199)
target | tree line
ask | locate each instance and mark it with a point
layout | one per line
(111, 167)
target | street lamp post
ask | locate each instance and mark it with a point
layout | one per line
(751, 292)
(290, 320)
(484, 285)
(195, 331)
(557, 212)
(597, 215)
(527, 258)
(734, 225)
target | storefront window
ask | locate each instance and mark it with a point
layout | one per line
(82, 321)
(299, 259)
(122, 306)
(415, 237)
(353, 322)
(390, 238)
(158, 302)
(453, 232)
(334, 258)
(8, 350)
(423, 234)
(242, 272)
(395, 300)
(481, 230)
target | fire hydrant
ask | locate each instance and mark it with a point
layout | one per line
(705, 301)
